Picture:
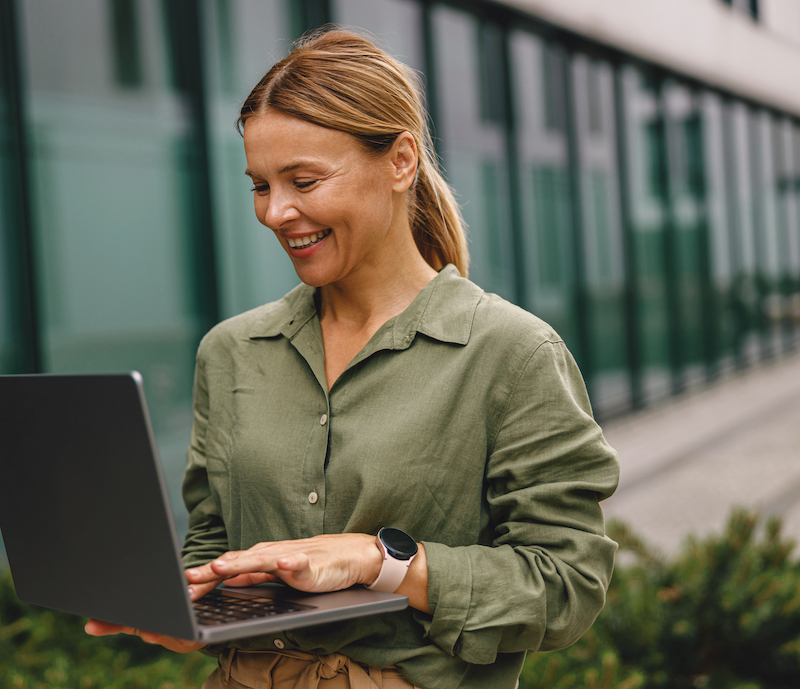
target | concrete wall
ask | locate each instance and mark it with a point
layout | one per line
(704, 39)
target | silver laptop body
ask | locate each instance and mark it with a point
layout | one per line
(86, 520)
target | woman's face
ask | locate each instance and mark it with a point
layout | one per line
(337, 210)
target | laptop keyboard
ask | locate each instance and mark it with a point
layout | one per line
(219, 607)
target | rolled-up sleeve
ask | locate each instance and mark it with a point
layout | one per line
(542, 582)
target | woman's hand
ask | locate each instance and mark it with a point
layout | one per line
(98, 628)
(323, 563)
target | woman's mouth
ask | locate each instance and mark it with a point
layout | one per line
(308, 240)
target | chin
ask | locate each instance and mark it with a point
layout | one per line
(313, 277)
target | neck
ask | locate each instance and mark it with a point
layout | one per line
(374, 296)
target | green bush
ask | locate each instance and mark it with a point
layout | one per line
(724, 614)
(42, 649)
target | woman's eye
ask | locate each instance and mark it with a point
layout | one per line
(260, 188)
(304, 184)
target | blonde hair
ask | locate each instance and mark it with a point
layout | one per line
(340, 80)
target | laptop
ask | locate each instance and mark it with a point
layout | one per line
(88, 527)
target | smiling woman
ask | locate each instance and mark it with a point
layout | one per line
(386, 391)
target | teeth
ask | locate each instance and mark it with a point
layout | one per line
(303, 242)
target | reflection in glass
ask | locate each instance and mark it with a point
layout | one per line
(604, 269)
(473, 146)
(646, 164)
(686, 231)
(787, 219)
(794, 233)
(765, 220)
(395, 23)
(721, 328)
(244, 39)
(745, 291)
(112, 202)
(7, 223)
(538, 70)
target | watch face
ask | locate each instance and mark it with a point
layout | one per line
(398, 543)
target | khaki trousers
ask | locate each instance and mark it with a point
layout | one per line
(299, 670)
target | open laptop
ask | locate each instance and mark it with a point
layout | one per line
(87, 524)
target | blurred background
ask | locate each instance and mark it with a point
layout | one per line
(630, 172)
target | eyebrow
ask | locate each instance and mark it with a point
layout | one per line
(288, 168)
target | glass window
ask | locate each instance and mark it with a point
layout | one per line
(720, 331)
(646, 165)
(7, 224)
(604, 269)
(538, 72)
(244, 39)
(765, 220)
(794, 234)
(687, 240)
(787, 210)
(744, 293)
(397, 24)
(473, 146)
(112, 200)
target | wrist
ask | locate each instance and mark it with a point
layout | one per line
(372, 563)
(397, 550)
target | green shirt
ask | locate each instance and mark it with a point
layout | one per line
(464, 421)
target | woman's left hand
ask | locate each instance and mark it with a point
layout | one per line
(323, 563)
(99, 628)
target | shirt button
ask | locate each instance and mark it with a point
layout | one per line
(313, 497)
(278, 643)
(323, 419)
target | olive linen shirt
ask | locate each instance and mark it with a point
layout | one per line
(464, 421)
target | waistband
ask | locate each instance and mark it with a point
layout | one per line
(241, 664)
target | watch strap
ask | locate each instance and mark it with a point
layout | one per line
(392, 572)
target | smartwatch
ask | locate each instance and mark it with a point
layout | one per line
(398, 550)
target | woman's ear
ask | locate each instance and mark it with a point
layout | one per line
(404, 160)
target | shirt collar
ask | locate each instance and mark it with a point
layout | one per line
(443, 310)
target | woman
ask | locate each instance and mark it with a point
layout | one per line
(386, 391)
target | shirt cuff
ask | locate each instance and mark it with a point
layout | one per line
(449, 593)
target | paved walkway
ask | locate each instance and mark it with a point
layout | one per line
(687, 464)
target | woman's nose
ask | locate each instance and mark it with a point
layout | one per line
(280, 210)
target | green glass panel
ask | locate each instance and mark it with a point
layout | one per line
(543, 156)
(603, 251)
(243, 40)
(645, 147)
(473, 149)
(395, 23)
(111, 165)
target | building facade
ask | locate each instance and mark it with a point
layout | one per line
(629, 171)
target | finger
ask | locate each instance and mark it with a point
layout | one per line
(243, 563)
(202, 574)
(297, 563)
(251, 579)
(100, 628)
(197, 591)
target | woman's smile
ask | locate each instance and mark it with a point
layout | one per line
(308, 240)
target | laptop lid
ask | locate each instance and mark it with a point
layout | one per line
(86, 520)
